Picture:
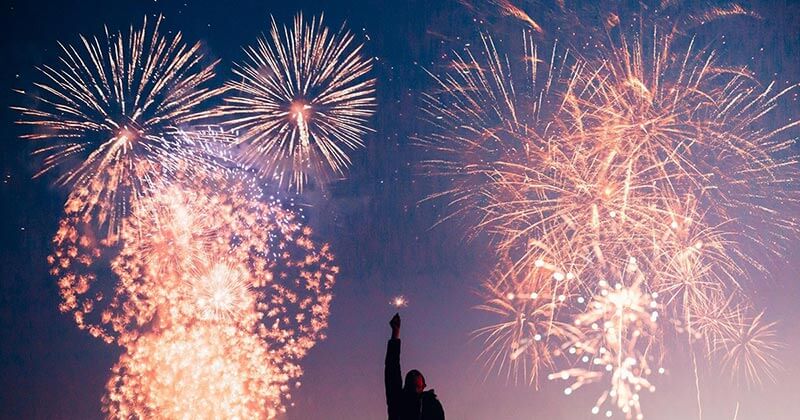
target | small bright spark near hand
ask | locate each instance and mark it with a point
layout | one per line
(399, 301)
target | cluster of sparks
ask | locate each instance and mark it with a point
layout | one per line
(302, 102)
(105, 119)
(166, 247)
(625, 189)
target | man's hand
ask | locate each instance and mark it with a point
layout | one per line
(395, 324)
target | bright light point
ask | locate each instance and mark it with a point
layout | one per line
(608, 413)
(558, 276)
(537, 337)
(534, 295)
(562, 298)
(538, 263)
(585, 359)
(510, 296)
(595, 410)
(564, 375)
(673, 225)
(299, 107)
(570, 276)
(661, 371)
(399, 301)
(567, 391)
(581, 299)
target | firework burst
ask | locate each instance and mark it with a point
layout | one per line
(636, 153)
(302, 103)
(204, 247)
(529, 334)
(619, 335)
(748, 349)
(203, 371)
(105, 115)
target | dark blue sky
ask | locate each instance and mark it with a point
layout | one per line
(381, 234)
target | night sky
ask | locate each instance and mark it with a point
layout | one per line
(382, 234)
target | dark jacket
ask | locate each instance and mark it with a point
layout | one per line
(404, 405)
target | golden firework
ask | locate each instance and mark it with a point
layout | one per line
(302, 102)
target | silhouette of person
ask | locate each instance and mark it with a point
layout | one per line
(409, 402)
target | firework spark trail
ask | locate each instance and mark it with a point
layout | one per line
(748, 349)
(208, 227)
(302, 103)
(636, 151)
(202, 264)
(202, 371)
(529, 336)
(103, 116)
(620, 330)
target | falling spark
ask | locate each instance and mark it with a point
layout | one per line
(749, 350)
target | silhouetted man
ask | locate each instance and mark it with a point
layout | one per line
(409, 402)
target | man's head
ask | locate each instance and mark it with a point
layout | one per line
(415, 381)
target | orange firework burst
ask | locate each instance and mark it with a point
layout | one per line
(201, 248)
(636, 153)
(107, 116)
(302, 103)
(748, 349)
(619, 334)
(202, 371)
(530, 333)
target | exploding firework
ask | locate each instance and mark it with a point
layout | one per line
(530, 332)
(619, 337)
(202, 371)
(222, 292)
(106, 116)
(205, 248)
(683, 124)
(635, 152)
(748, 349)
(302, 103)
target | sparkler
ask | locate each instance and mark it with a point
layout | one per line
(106, 116)
(302, 103)
(399, 301)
